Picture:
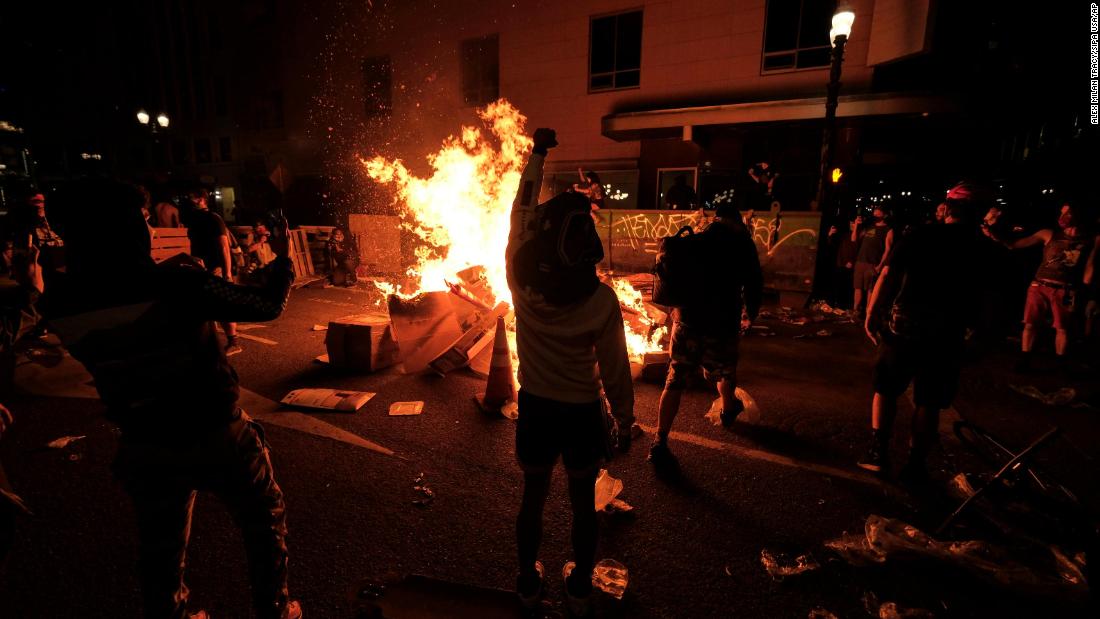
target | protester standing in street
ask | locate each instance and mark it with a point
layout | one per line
(569, 334)
(845, 250)
(918, 313)
(707, 331)
(146, 334)
(1067, 269)
(211, 244)
(875, 242)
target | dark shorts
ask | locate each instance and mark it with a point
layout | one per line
(691, 349)
(932, 366)
(548, 428)
(863, 277)
(1046, 303)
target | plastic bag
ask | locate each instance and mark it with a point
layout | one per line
(802, 564)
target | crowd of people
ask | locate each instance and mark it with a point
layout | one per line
(147, 335)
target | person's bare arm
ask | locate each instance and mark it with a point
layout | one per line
(1090, 265)
(886, 253)
(872, 323)
(227, 257)
(1042, 237)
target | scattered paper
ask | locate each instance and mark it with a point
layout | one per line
(63, 442)
(328, 399)
(320, 327)
(401, 409)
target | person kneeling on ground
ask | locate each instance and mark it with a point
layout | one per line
(146, 334)
(567, 325)
(707, 329)
(918, 315)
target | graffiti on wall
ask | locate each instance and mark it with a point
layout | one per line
(643, 230)
(769, 233)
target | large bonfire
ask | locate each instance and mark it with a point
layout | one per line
(460, 213)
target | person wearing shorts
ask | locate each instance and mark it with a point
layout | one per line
(874, 243)
(569, 351)
(1069, 261)
(917, 316)
(706, 331)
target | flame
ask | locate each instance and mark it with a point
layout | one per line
(646, 337)
(460, 212)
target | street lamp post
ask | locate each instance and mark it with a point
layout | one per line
(842, 28)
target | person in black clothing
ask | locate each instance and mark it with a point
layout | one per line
(681, 196)
(146, 334)
(707, 334)
(928, 294)
(211, 243)
(341, 258)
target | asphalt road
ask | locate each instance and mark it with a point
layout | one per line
(782, 480)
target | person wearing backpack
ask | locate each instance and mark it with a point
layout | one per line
(570, 341)
(708, 319)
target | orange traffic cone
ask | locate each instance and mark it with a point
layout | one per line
(500, 387)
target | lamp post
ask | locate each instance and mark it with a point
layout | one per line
(143, 119)
(838, 35)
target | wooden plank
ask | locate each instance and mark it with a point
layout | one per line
(378, 238)
(169, 232)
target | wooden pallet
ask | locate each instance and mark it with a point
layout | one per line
(299, 253)
(168, 242)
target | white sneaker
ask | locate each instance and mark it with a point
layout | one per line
(531, 600)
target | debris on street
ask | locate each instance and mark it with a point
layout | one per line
(820, 613)
(778, 571)
(611, 577)
(886, 539)
(402, 409)
(608, 489)
(1061, 397)
(425, 495)
(328, 399)
(63, 442)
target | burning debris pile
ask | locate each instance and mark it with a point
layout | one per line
(444, 310)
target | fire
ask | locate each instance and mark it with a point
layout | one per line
(460, 213)
(643, 335)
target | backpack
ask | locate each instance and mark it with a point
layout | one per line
(678, 275)
(559, 261)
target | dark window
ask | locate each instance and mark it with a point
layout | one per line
(202, 150)
(481, 70)
(221, 97)
(377, 85)
(225, 149)
(615, 52)
(179, 152)
(796, 34)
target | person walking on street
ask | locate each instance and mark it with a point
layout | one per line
(570, 341)
(706, 332)
(917, 316)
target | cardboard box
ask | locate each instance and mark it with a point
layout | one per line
(362, 342)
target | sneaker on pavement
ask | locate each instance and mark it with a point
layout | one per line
(875, 460)
(728, 417)
(529, 587)
(232, 347)
(660, 455)
(578, 592)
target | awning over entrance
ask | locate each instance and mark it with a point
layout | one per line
(674, 122)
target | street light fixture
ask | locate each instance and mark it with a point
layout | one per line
(162, 120)
(838, 36)
(143, 117)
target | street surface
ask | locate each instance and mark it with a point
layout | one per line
(783, 479)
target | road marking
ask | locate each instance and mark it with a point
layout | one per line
(256, 338)
(767, 456)
(267, 411)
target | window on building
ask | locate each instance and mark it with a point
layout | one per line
(615, 52)
(202, 150)
(796, 34)
(225, 149)
(221, 97)
(480, 70)
(377, 85)
(179, 152)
